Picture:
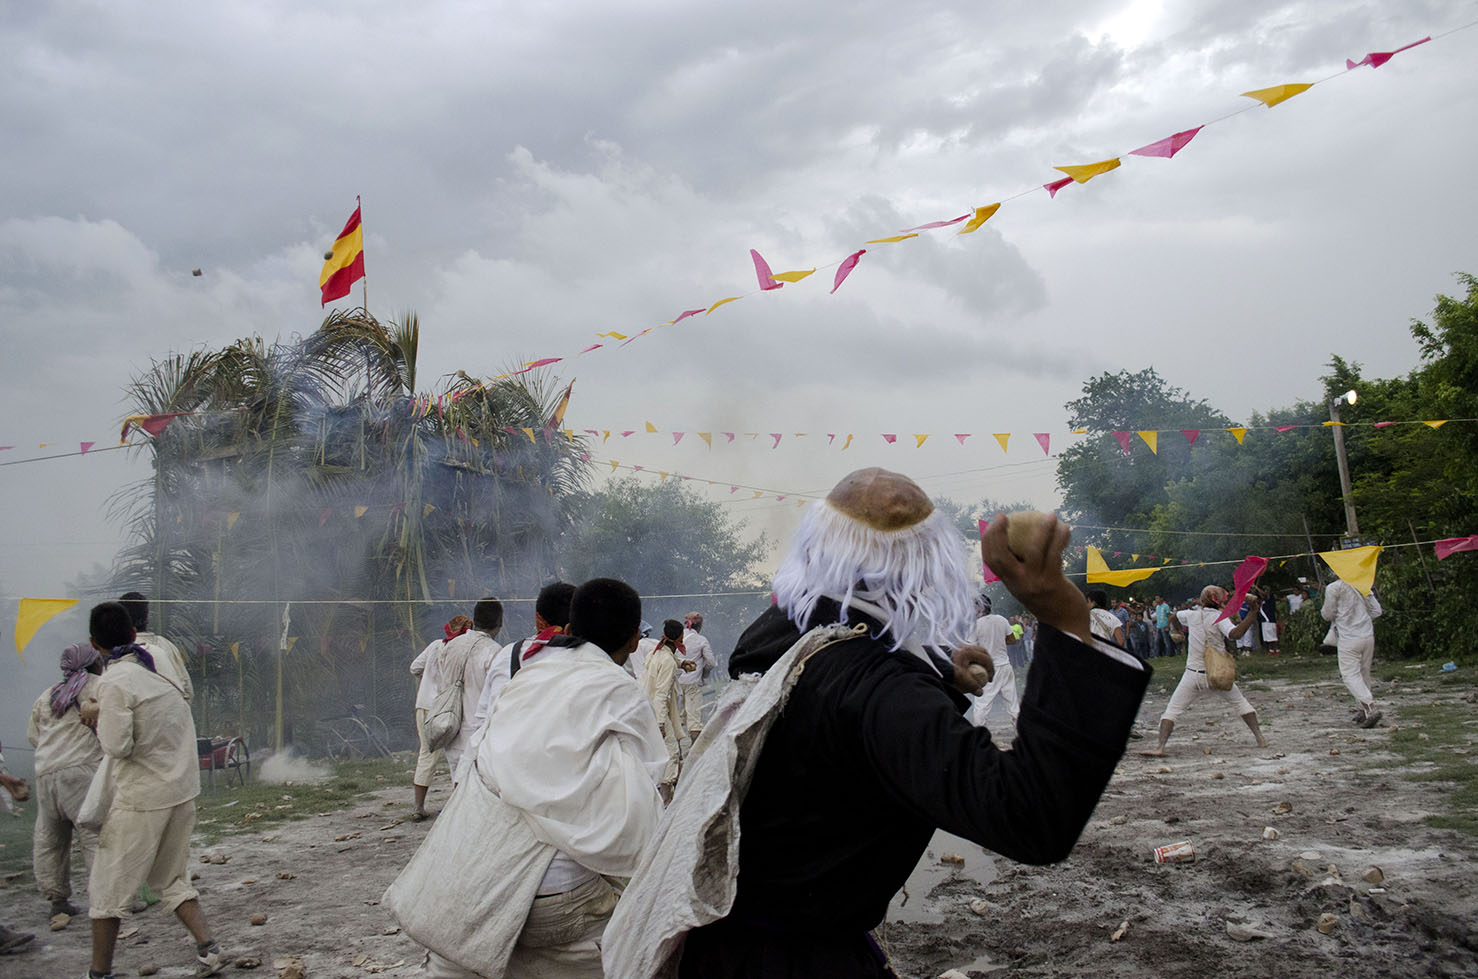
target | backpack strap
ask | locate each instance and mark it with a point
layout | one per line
(516, 660)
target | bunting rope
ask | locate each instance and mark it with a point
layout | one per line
(977, 216)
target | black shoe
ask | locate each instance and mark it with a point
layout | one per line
(13, 941)
(64, 907)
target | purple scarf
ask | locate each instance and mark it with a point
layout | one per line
(75, 661)
(145, 660)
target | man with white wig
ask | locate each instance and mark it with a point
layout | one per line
(872, 751)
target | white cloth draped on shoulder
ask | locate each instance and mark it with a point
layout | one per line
(572, 743)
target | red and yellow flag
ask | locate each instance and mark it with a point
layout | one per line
(558, 418)
(344, 264)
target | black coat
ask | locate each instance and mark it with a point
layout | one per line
(872, 753)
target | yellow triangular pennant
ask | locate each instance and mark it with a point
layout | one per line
(707, 438)
(530, 433)
(982, 215)
(231, 519)
(1238, 433)
(848, 442)
(34, 613)
(918, 440)
(758, 494)
(426, 510)
(614, 464)
(1099, 573)
(1435, 424)
(236, 651)
(360, 511)
(663, 479)
(886, 241)
(1003, 438)
(1278, 93)
(1085, 172)
(1152, 439)
(1134, 558)
(795, 276)
(651, 427)
(731, 299)
(1355, 566)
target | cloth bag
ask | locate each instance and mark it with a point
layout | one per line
(444, 719)
(1221, 668)
(687, 877)
(99, 797)
(466, 892)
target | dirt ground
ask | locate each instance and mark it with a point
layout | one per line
(1327, 788)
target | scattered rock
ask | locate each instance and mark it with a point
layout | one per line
(220, 859)
(1119, 931)
(284, 875)
(980, 906)
(392, 930)
(1374, 876)
(248, 962)
(148, 970)
(1161, 771)
(1281, 771)
(1246, 933)
(1205, 751)
(346, 836)
(60, 921)
(258, 919)
(1283, 807)
(1300, 867)
(1423, 736)
(1119, 820)
(1327, 923)
(1218, 775)
(1334, 751)
(290, 968)
(954, 858)
(953, 974)
(249, 880)
(205, 858)
(1269, 833)
(194, 875)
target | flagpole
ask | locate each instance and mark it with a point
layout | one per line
(363, 279)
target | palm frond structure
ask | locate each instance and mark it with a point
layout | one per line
(312, 523)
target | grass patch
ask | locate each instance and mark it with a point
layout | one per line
(259, 805)
(1427, 743)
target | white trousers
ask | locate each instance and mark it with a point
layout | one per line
(1192, 687)
(134, 848)
(560, 940)
(426, 760)
(692, 697)
(59, 796)
(1355, 657)
(1003, 687)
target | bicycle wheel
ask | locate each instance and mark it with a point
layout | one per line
(237, 763)
(379, 735)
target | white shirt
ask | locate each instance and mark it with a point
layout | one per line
(637, 661)
(63, 742)
(1352, 613)
(146, 725)
(480, 648)
(1201, 627)
(697, 651)
(428, 669)
(168, 660)
(990, 632)
(1295, 602)
(1102, 623)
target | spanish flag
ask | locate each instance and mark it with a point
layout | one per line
(344, 265)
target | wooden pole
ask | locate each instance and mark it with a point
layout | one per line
(1420, 556)
(1313, 555)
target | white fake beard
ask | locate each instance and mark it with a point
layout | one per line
(915, 576)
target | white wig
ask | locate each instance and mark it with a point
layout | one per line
(916, 574)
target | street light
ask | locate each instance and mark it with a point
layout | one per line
(1352, 526)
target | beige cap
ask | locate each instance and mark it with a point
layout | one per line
(880, 499)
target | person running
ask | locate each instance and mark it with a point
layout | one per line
(425, 667)
(1353, 617)
(67, 755)
(1205, 628)
(659, 677)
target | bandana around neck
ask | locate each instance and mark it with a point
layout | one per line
(145, 659)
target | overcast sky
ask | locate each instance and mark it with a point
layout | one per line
(533, 174)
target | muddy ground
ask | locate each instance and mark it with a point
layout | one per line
(1336, 796)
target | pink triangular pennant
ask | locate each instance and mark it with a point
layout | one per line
(1056, 185)
(733, 489)
(1286, 428)
(1377, 58)
(677, 437)
(1191, 434)
(1044, 439)
(593, 346)
(845, 269)
(831, 437)
(1123, 439)
(961, 436)
(1454, 544)
(890, 439)
(762, 272)
(684, 315)
(1169, 146)
(776, 437)
(1384, 424)
(728, 435)
(86, 446)
(936, 224)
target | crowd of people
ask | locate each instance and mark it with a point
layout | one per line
(593, 824)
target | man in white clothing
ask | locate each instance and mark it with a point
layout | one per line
(1353, 615)
(659, 679)
(470, 657)
(551, 618)
(635, 663)
(1204, 627)
(698, 653)
(566, 773)
(1105, 624)
(994, 633)
(67, 755)
(167, 656)
(425, 666)
(144, 725)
